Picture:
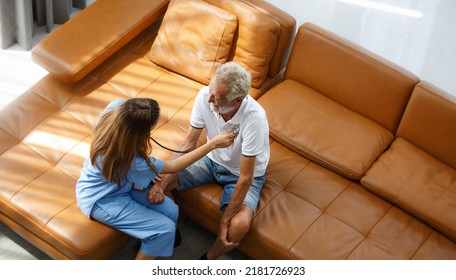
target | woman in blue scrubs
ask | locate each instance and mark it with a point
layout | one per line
(117, 177)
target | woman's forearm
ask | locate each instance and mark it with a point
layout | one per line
(177, 164)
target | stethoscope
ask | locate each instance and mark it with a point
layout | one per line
(235, 130)
(169, 149)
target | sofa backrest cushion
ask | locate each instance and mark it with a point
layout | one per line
(429, 122)
(194, 39)
(287, 33)
(350, 75)
(323, 130)
(256, 39)
(238, 31)
(418, 172)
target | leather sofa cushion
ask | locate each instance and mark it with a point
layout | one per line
(323, 130)
(186, 45)
(417, 182)
(256, 38)
(340, 219)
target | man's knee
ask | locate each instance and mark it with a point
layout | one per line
(239, 226)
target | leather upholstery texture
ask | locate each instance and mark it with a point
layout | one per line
(45, 134)
(362, 151)
(323, 122)
(326, 123)
(186, 46)
(101, 30)
(256, 39)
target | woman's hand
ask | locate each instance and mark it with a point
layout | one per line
(223, 140)
(156, 194)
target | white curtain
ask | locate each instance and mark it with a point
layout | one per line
(18, 18)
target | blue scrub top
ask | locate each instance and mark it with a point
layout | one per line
(92, 186)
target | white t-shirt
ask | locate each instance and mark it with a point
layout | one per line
(251, 140)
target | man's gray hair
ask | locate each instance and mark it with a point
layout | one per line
(235, 77)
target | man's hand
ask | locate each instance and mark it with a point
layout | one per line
(223, 236)
(156, 194)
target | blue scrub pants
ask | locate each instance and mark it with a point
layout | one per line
(131, 213)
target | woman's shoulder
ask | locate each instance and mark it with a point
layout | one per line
(113, 105)
(141, 163)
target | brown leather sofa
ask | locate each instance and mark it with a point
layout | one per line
(363, 159)
(362, 155)
(120, 49)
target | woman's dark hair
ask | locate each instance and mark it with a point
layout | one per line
(123, 133)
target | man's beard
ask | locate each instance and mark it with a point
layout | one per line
(222, 109)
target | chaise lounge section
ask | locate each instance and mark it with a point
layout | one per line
(119, 49)
(362, 151)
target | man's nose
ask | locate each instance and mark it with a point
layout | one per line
(211, 98)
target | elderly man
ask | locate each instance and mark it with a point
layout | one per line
(226, 106)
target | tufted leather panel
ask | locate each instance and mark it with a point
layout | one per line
(338, 218)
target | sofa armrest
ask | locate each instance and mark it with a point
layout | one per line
(76, 48)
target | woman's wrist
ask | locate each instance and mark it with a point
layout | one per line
(212, 144)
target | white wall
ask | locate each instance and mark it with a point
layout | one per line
(418, 35)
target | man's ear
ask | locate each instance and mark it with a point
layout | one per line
(239, 100)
